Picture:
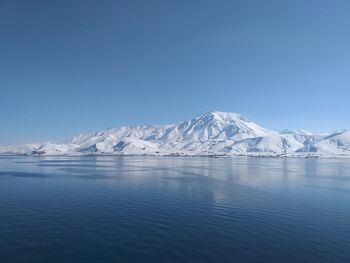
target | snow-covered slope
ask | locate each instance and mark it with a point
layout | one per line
(336, 144)
(274, 144)
(21, 149)
(213, 133)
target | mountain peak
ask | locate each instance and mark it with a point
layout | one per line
(223, 113)
(221, 116)
(220, 125)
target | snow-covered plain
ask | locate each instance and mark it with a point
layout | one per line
(212, 134)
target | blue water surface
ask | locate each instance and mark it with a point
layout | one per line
(172, 209)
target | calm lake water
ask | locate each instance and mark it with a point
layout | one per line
(149, 209)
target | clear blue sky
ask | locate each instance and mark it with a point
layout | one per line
(69, 67)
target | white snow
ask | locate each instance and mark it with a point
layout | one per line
(213, 133)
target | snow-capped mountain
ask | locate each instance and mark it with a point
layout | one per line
(213, 133)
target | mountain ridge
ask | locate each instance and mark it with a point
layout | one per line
(213, 133)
